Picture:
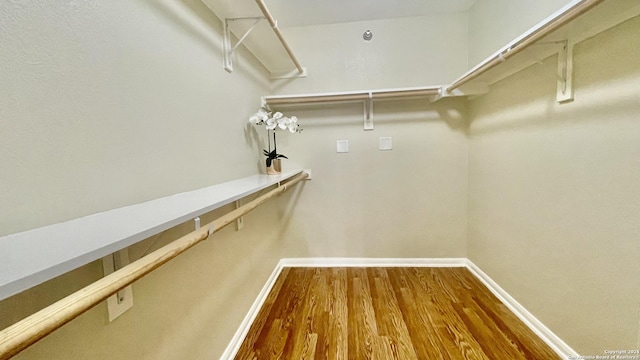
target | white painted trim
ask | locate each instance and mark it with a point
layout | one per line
(374, 262)
(551, 339)
(555, 342)
(243, 330)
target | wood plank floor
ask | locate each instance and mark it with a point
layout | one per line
(387, 313)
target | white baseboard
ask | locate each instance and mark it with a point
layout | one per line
(373, 262)
(551, 339)
(243, 330)
(543, 332)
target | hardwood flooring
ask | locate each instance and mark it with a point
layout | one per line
(387, 313)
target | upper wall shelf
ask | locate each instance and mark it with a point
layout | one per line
(366, 97)
(253, 25)
(352, 96)
(577, 21)
(35, 256)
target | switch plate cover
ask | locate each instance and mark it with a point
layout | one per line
(385, 143)
(342, 146)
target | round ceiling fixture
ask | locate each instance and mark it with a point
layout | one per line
(368, 35)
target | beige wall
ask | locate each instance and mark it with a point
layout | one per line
(494, 23)
(98, 98)
(109, 105)
(105, 104)
(101, 99)
(554, 197)
(416, 51)
(407, 202)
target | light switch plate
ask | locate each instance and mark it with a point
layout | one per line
(385, 143)
(342, 146)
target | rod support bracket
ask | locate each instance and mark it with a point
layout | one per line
(240, 220)
(368, 112)
(227, 48)
(564, 92)
(121, 301)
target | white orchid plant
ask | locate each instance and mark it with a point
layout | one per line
(274, 121)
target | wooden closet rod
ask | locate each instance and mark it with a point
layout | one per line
(548, 27)
(274, 26)
(351, 96)
(26, 332)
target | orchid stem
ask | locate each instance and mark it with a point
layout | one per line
(269, 139)
(275, 149)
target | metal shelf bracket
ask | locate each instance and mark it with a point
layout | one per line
(121, 301)
(228, 48)
(368, 112)
(564, 92)
(240, 220)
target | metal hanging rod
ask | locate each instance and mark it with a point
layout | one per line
(554, 22)
(26, 332)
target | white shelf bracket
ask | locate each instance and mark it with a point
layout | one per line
(240, 220)
(564, 91)
(368, 112)
(228, 48)
(121, 301)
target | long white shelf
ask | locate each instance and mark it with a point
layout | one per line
(35, 256)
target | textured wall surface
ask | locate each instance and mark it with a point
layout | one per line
(410, 201)
(105, 104)
(416, 51)
(108, 104)
(99, 99)
(494, 23)
(554, 195)
(407, 202)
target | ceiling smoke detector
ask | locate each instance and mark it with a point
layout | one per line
(368, 35)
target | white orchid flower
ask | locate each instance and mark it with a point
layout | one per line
(272, 120)
(293, 124)
(271, 123)
(260, 117)
(284, 122)
(254, 119)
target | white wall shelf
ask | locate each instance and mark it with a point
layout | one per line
(35, 256)
(251, 22)
(366, 97)
(575, 22)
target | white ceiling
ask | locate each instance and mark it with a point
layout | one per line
(291, 13)
(317, 12)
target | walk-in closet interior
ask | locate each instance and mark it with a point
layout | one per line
(492, 143)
